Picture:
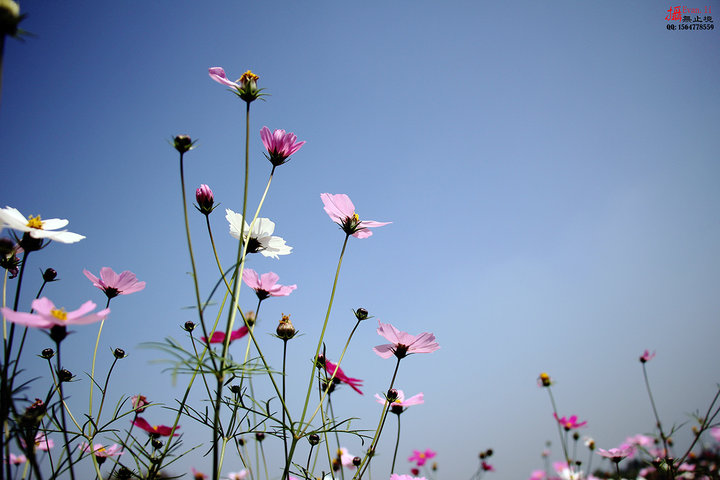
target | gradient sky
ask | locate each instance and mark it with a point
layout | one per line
(550, 169)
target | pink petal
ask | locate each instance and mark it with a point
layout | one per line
(385, 351)
(109, 277)
(86, 307)
(268, 280)
(95, 280)
(389, 332)
(43, 306)
(338, 207)
(251, 279)
(24, 318)
(218, 74)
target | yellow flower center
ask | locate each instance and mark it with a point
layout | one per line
(422, 455)
(356, 217)
(248, 76)
(34, 222)
(60, 313)
(101, 449)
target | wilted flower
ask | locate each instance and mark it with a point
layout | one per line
(113, 284)
(421, 457)
(155, 430)
(280, 145)
(245, 87)
(266, 284)
(47, 315)
(261, 239)
(403, 343)
(342, 211)
(205, 200)
(569, 423)
(646, 356)
(36, 227)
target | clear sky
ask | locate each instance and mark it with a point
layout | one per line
(550, 169)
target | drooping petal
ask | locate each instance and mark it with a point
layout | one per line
(385, 351)
(218, 74)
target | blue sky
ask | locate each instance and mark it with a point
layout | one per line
(550, 169)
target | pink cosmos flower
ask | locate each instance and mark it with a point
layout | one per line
(340, 376)
(16, 459)
(646, 356)
(403, 343)
(616, 454)
(346, 458)
(486, 467)
(42, 442)
(569, 423)
(537, 475)
(421, 457)
(242, 474)
(155, 430)
(113, 284)
(715, 432)
(266, 285)
(139, 403)
(101, 452)
(342, 211)
(219, 337)
(395, 476)
(198, 475)
(640, 440)
(46, 315)
(400, 403)
(280, 145)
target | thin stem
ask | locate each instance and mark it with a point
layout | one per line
(337, 436)
(92, 370)
(560, 432)
(62, 413)
(283, 394)
(397, 444)
(322, 333)
(655, 412)
(383, 416)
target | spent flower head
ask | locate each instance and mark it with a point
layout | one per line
(245, 87)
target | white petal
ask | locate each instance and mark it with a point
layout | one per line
(54, 223)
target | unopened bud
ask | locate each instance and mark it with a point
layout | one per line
(49, 275)
(241, 441)
(489, 452)
(371, 452)
(119, 353)
(182, 143)
(259, 436)
(235, 389)
(361, 314)
(64, 375)
(189, 326)
(47, 353)
(157, 443)
(357, 461)
(314, 439)
(392, 395)
(205, 199)
(124, 473)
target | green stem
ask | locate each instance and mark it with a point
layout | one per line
(322, 333)
(560, 432)
(62, 413)
(92, 369)
(655, 412)
(397, 444)
(283, 395)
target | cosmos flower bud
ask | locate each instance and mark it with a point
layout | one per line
(235, 389)
(157, 443)
(259, 436)
(205, 199)
(64, 375)
(361, 314)
(47, 353)
(9, 17)
(392, 395)
(241, 441)
(489, 452)
(285, 329)
(189, 326)
(314, 439)
(357, 461)
(119, 353)
(124, 473)
(182, 143)
(49, 275)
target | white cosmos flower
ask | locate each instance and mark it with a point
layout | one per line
(36, 227)
(261, 238)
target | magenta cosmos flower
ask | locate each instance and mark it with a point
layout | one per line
(205, 199)
(617, 454)
(266, 284)
(646, 356)
(280, 145)
(340, 376)
(569, 423)
(421, 457)
(342, 211)
(46, 315)
(155, 430)
(403, 343)
(113, 284)
(219, 337)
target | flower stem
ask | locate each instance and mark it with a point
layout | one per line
(322, 333)
(397, 444)
(655, 412)
(92, 369)
(563, 443)
(284, 361)
(62, 413)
